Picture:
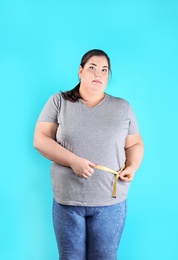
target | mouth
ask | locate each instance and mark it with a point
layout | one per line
(97, 81)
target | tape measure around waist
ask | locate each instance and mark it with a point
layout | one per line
(117, 175)
(103, 168)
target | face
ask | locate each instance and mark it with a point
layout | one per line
(94, 74)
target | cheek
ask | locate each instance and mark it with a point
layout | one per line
(105, 80)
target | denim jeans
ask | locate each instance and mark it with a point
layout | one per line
(88, 233)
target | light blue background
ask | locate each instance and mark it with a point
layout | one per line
(41, 44)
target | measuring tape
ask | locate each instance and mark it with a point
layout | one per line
(103, 168)
(117, 175)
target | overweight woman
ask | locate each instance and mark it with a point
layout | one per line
(93, 141)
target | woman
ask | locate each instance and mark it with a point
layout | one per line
(80, 131)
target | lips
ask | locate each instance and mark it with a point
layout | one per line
(96, 81)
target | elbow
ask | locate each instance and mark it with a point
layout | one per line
(138, 144)
(36, 144)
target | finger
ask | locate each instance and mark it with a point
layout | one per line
(126, 173)
(89, 172)
(86, 174)
(126, 177)
(83, 175)
(91, 164)
(90, 169)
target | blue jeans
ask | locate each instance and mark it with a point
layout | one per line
(91, 233)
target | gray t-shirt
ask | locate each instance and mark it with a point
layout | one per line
(97, 134)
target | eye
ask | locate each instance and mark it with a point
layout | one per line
(92, 68)
(104, 70)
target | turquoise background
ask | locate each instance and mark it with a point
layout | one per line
(41, 44)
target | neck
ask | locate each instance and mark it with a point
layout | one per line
(92, 99)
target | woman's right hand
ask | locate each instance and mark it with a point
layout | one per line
(82, 167)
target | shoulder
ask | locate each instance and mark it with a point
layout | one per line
(59, 102)
(117, 100)
(56, 99)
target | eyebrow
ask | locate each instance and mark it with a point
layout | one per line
(96, 65)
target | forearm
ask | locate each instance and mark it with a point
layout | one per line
(45, 143)
(134, 156)
(54, 151)
(49, 148)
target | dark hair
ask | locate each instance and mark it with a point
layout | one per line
(73, 95)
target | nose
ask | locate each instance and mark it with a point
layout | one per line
(97, 73)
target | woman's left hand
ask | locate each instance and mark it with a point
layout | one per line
(127, 174)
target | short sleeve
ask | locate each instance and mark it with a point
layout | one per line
(50, 111)
(133, 124)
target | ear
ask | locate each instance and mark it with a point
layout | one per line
(80, 71)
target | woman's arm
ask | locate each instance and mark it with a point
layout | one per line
(45, 143)
(134, 150)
